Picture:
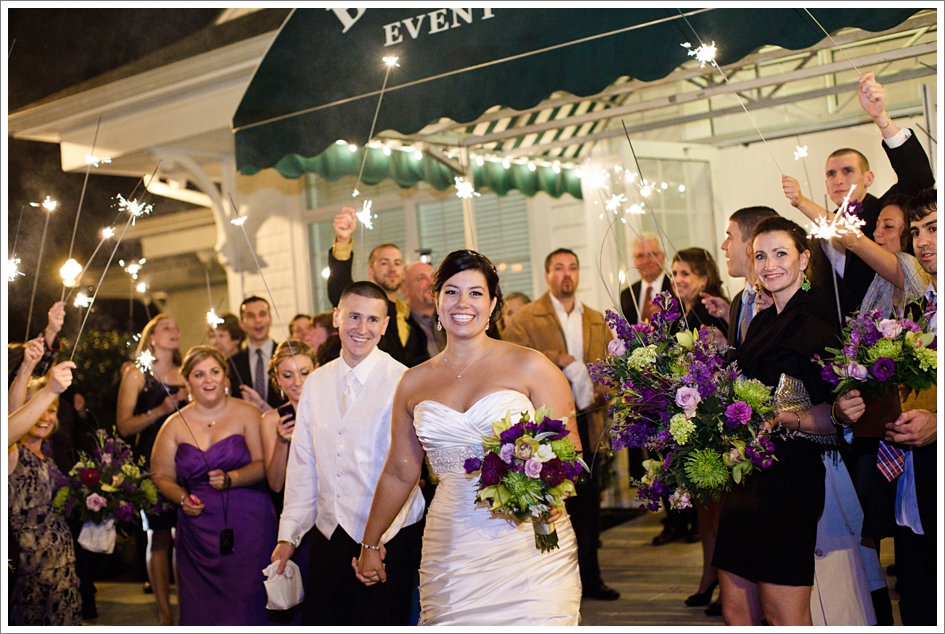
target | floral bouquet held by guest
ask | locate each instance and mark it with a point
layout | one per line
(879, 353)
(674, 395)
(108, 484)
(528, 470)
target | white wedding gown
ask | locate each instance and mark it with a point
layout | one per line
(477, 568)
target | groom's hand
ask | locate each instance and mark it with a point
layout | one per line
(370, 568)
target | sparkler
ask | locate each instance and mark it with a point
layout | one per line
(134, 208)
(464, 188)
(90, 160)
(391, 62)
(800, 152)
(13, 265)
(365, 215)
(14, 261)
(106, 234)
(50, 206)
(615, 202)
(705, 54)
(82, 301)
(94, 161)
(212, 319)
(69, 273)
(844, 221)
(834, 42)
(145, 361)
(133, 268)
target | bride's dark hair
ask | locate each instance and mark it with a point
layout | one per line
(466, 260)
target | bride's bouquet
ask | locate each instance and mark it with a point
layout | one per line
(529, 468)
(674, 395)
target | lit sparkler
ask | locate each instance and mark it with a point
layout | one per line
(134, 208)
(145, 360)
(49, 204)
(95, 161)
(108, 233)
(213, 319)
(844, 221)
(705, 54)
(615, 202)
(390, 60)
(133, 268)
(800, 151)
(82, 301)
(464, 188)
(598, 180)
(13, 265)
(365, 215)
(646, 188)
(239, 221)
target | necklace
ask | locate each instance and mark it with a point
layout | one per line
(459, 375)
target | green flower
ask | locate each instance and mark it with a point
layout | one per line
(524, 491)
(706, 469)
(681, 428)
(888, 348)
(131, 471)
(150, 491)
(642, 358)
(564, 449)
(755, 393)
(928, 360)
(62, 495)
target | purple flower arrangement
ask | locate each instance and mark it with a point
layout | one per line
(528, 470)
(109, 483)
(878, 353)
(674, 395)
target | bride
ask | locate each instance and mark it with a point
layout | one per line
(476, 568)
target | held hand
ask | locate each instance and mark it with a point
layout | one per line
(792, 190)
(915, 428)
(60, 377)
(716, 306)
(872, 96)
(56, 316)
(286, 427)
(850, 407)
(345, 223)
(565, 360)
(282, 553)
(252, 396)
(370, 569)
(218, 479)
(192, 506)
(32, 353)
(553, 516)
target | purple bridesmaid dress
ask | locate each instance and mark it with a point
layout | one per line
(220, 589)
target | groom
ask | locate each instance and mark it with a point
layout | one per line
(342, 438)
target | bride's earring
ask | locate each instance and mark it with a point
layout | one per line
(487, 325)
(439, 326)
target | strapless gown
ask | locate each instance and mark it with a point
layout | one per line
(478, 568)
(220, 589)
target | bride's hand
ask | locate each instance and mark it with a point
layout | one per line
(370, 569)
(554, 516)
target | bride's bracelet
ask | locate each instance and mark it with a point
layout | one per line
(377, 548)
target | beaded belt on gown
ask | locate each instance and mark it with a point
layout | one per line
(452, 458)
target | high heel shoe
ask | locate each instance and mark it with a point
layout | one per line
(703, 598)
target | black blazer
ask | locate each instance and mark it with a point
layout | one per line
(912, 168)
(629, 307)
(414, 352)
(240, 374)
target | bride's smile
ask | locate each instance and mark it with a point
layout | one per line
(465, 302)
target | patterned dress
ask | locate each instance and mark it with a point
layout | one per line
(46, 588)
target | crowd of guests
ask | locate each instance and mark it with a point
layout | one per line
(243, 432)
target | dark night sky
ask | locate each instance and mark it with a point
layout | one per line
(53, 49)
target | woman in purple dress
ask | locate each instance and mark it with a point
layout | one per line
(208, 458)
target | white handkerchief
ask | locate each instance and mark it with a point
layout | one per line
(98, 538)
(582, 388)
(285, 590)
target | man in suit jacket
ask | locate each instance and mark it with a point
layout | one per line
(572, 335)
(650, 260)
(342, 437)
(404, 340)
(847, 167)
(249, 368)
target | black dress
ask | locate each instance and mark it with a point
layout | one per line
(152, 395)
(768, 525)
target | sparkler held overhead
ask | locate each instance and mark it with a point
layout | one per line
(50, 206)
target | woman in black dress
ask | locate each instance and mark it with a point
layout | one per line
(768, 526)
(143, 406)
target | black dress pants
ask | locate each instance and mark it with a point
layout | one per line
(338, 598)
(584, 510)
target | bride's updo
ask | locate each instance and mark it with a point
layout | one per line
(465, 260)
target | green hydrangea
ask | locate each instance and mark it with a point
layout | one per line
(564, 449)
(884, 348)
(755, 393)
(150, 491)
(706, 469)
(62, 495)
(928, 360)
(642, 358)
(681, 428)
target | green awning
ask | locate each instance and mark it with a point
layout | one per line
(321, 78)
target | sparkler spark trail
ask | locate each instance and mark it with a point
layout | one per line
(239, 221)
(134, 208)
(212, 319)
(615, 202)
(145, 360)
(844, 221)
(365, 215)
(800, 152)
(705, 54)
(464, 188)
(13, 266)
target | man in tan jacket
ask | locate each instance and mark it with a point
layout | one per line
(572, 335)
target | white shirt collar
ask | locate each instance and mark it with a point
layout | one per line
(657, 285)
(559, 307)
(363, 370)
(266, 348)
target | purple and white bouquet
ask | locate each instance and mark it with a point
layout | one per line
(108, 484)
(879, 353)
(528, 469)
(674, 395)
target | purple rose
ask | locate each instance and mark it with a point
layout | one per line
(506, 452)
(553, 473)
(617, 347)
(856, 371)
(688, 399)
(493, 469)
(512, 434)
(889, 328)
(884, 368)
(827, 374)
(738, 413)
(472, 464)
(533, 468)
(95, 502)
